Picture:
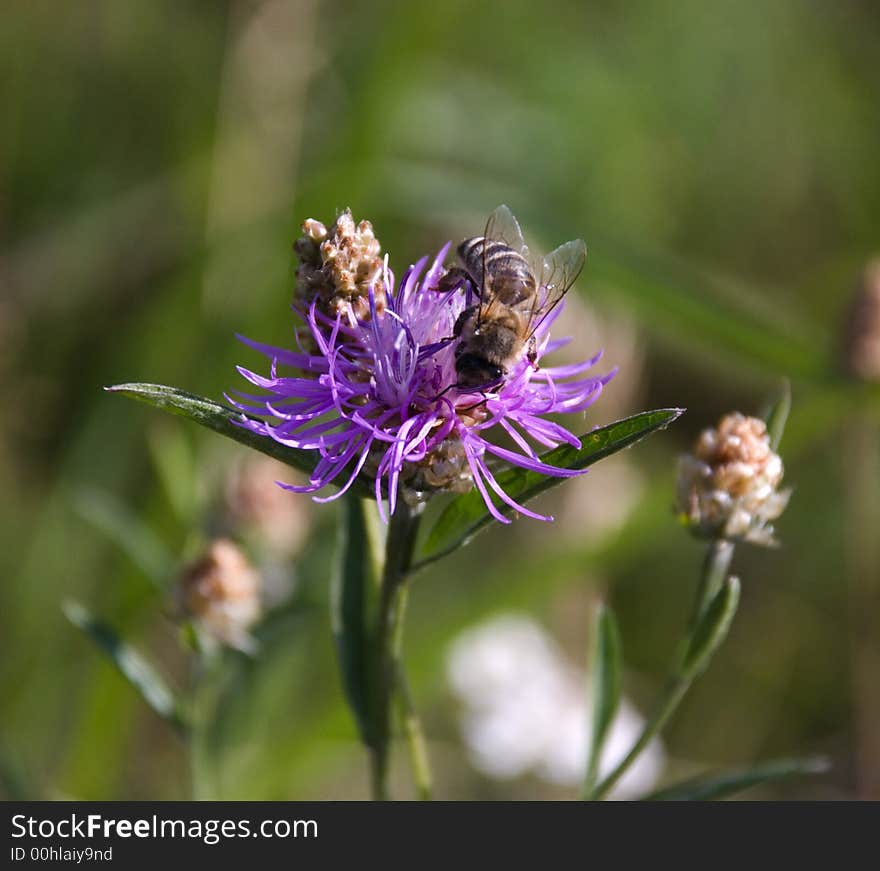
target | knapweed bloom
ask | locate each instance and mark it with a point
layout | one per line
(371, 387)
(728, 487)
(220, 592)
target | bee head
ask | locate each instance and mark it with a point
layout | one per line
(477, 372)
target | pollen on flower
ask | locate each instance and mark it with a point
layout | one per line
(221, 593)
(728, 487)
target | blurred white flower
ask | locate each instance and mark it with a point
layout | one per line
(525, 709)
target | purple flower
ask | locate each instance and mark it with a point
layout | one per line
(372, 391)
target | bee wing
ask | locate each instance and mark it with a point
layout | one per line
(502, 226)
(558, 272)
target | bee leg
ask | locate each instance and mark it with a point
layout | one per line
(444, 391)
(532, 354)
(454, 278)
(462, 319)
(483, 401)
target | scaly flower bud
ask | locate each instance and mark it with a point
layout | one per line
(728, 487)
(339, 267)
(221, 593)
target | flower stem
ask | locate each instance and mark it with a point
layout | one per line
(675, 691)
(388, 638)
(415, 737)
(202, 708)
(715, 569)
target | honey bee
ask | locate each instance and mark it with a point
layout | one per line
(515, 292)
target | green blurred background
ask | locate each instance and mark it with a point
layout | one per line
(720, 159)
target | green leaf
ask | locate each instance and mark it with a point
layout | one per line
(777, 415)
(715, 786)
(467, 515)
(350, 584)
(605, 687)
(130, 664)
(219, 418)
(711, 630)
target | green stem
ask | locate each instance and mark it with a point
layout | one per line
(589, 786)
(675, 691)
(415, 737)
(714, 573)
(716, 567)
(202, 706)
(399, 549)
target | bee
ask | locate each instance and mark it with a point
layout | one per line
(516, 292)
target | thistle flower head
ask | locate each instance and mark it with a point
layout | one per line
(373, 388)
(728, 487)
(221, 593)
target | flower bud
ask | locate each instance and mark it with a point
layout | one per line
(445, 469)
(728, 487)
(221, 593)
(339, 266)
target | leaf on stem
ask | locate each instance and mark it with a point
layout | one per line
(467, 514)
(711, 629)
(221, 419)
(777, 415)
(715, 786)
(352, 578)
(130, 664)
(605, 687)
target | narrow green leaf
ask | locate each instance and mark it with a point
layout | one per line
(467, 514)
(351, 580)
(715, 786)
(604, 686)
(777, 415)
(219, 418)
(130, 664)
(711, 630)
(127, 531)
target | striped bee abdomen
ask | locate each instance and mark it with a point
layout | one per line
(508, 275)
